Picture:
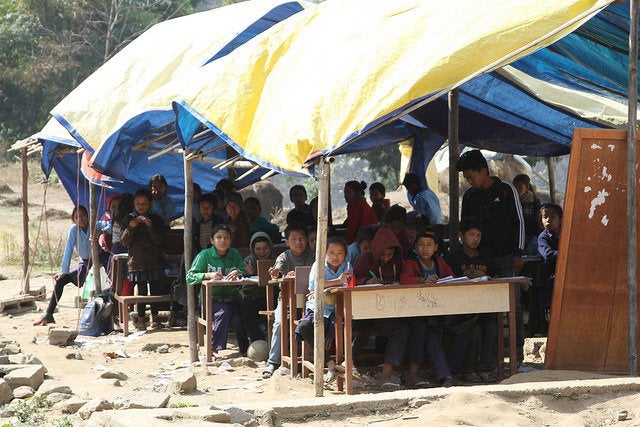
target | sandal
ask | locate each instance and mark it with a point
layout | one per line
(387, 384)
(45, 320)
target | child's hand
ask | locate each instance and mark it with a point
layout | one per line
(372, 281)
(249, 269)
(291, 274)
(234, 275)
(274, 272)
(430, 279)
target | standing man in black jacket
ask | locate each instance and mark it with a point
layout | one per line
(497, 205)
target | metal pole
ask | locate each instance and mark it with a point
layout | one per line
(95, 253)
(318, 294)
(188, 233)
(632, 296)
(552, 179)
(25, 224)
(454, 180)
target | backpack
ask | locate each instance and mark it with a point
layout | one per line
(96, 318)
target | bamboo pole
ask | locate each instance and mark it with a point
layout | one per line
(95, 253)
(318, 294)
(552, 179)
(25, 224)
(188, 232)
(454, 180)
(632, 241)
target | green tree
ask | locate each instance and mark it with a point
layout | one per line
(47, 47)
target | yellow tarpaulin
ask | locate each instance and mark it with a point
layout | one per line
(315, 81)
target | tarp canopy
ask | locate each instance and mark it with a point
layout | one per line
(320, 80)
(96, 110)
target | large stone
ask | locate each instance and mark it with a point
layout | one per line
(23, 392)
(10, 348)
(183, 382)
(94, 405)
(6, 394)
(202, 414)
(241, 417)
(70, 406)
(148, 400)
(53, 386)
(5, 369)
(56, 397)
(4, 359)
(19, 359)
(62, 336)
(32, 376)
(114, 375)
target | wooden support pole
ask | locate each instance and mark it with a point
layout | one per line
(552, 179)
(26, 268)
(454, 183)
(632, 238)
(188, 233)
(95, 253)
(321, 245)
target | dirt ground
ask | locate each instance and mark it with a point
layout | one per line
(234, 380)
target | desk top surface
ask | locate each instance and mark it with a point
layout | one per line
(221, 282)
(380, 287)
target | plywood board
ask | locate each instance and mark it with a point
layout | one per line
(588, 324)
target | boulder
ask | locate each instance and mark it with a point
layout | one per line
(32, 376)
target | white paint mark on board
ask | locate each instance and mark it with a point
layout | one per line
(606, 176)
(588, 178)
(595, 146)
(611, 147)
(587, 189)
(605, 221)
(597, 201)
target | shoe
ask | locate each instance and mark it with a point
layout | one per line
(269, 370)
(472, 378)
(448, 382)
(487, 376)
(45, 320)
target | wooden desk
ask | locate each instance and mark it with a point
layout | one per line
(206, 322)
(288, 344)
(391, 301)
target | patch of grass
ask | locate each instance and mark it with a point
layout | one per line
(183, 405)
(44, 252)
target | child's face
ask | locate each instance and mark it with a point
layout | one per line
(206, 210)
(312, 241)
(551, 221)
(386, 255)
(233, 210)
(298, 198)
(349, 194)
(297, 242)
(115, 204)
(426, 247)
(471, 238)
(476, 179)
(365, 246)
(81, 219)
(142, 204)
(158, 189)
(221, 241)
(252, 210)
(522, 188)
(261, 250)
(336, 254)
(375, 195)
(411, 234)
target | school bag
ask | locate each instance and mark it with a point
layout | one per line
(96, 318)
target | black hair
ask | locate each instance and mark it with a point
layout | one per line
(552, 207)
(357, 186)
(337, 240)
(298, 187)
(253, 200)
(473, 160)
(395, 213)
(220, 227)
(158, 178)
(77, 208)
(428, 232)
(124, 209)
(258, 240)
(365, 233)
(208, 197)
(379, 187)
(295, 226)
(469, 223)
(226, 185)
(144, 192)
(523, 178)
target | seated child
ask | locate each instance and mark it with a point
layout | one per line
(426, 332)
(382, 265)
(469, 261)
(335, 273)
(238, 221)
(202, 232)
(218, 262)
(298, 254)
(395, 219)
(548, 241)
(359, 213)
(253, 210)
(361, 245)
(301, 212)
(379, 204)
